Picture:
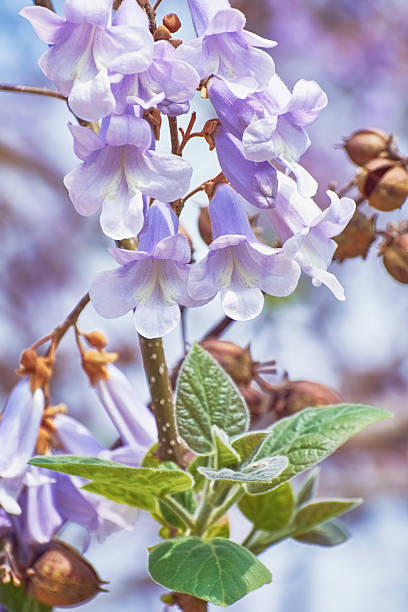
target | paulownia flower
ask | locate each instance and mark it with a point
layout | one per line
(151, 280)
(238, 265)
(84, 47)
(19, 425)
(224, 48)
(118, 166)
(306, 230)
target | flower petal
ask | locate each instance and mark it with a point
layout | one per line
(47, 25)
(92, 99)
(96, 12)
(199, 55)
(243, 304)
(112, 292)
(122, 216)
(125, 49)
(86, 141)
(156, 318)
(308, 99)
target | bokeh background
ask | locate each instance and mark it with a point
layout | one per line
(358, 52)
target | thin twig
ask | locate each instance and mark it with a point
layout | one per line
(156, 5)
(187, 134)
(174, 135)
(45, 3)
(219, 329)
(71, 320)
(27, 89)
(151, 15)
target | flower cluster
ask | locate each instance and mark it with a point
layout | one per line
(112, 69)
(36, 504)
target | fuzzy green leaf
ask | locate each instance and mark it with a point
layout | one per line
(217, 570)
(314, 433)
(225, 455)
(271, 511)
(264, 471)
(319, 511)
(15, 599)
(331, 533)
(207, 396)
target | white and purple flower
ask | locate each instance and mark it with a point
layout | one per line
(118, 167)
(85, 47)
(151, 280)
(238, 265)
(307, 231)
(225, 49)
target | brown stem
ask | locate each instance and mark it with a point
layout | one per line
(219, 329)
(151, 15)
(174, 137)
(187, 134)
(39, 91)
(158, 379)
(71, 320)
(45, 3)
(156, 5)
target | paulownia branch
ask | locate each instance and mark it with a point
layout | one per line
(158, 379)
(45, 3)
(27, 89)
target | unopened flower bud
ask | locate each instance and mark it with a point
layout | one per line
(96, 339)
(175, 42)
(94, 363)
(357, 237)
(384, 183)
(172, 22)
(62, 577)
(395, 258)
(37, 368)
(235, 360)
(365, 145)
(162, 33)
(204, 225)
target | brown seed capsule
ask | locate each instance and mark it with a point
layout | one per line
(235, 360)
(365, 145)
(62, 577)
(357, 237)
(395, 258)
(162, 33)
(172, 22)
(255, 399)
(204, 225)
(384, 183)
(293, 396)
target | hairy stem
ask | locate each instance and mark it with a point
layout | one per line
(179, 511)
(27, 89)
(157, 375)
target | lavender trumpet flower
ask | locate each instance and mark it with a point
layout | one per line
(19, 425)
(225, 49)
(84, 47)
(238, 264)
(306, 230)
(152, 280)
(118, 166)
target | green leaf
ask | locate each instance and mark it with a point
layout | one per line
(207, 396)
(132, 486)
(225, 455)
(320, 511)
(309, 436)
(331, 533)
(248, 444)
(270, 511)
(309, 488)
(218, 570)
(15, 599)
(265, 470)
(219, 530)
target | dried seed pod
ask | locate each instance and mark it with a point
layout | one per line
(162, 33)
(62, 577)
(235, 360)
(384, 183)
(204, 225)
(395, 258)
(295, 395)
(255, 399)
(172, 22)
(356, 238)
(365, 145)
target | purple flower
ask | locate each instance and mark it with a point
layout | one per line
(225, 49)
(118, 165)
(151, 280)
(84, 47)
(271, 124)
(306, 230)
(132, 419)
(256, 182)
(19, 425)
(238, 264)
(168, 82)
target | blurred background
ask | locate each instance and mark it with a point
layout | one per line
(358, 52)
